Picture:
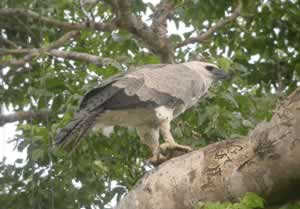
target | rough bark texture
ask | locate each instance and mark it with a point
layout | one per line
(266, 162)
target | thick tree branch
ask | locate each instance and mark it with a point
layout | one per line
(159, 21)
(36, 53)
(8, 42)
(109, 26)
(134, 24)
(4, 51)
(23, 115)
(125, 20)
(160, 15)
(221, 23)
(266, 162)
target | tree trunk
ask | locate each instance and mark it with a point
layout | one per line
(266, 162)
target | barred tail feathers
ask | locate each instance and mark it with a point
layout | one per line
(75, 131)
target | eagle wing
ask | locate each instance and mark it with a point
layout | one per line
(100, 94)
(164, 85)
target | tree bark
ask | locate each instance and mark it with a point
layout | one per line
(266, 162)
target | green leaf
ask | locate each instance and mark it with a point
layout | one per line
(224, 63)
(37, 154)
(252, 200)
(249, 201)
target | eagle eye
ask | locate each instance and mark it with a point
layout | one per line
(209, 68)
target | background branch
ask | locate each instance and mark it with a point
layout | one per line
(160, 16)
(8, 42)
(4, 51)
(134, 24)
(84, 11)
(23, 115)
(33, 53)
(221, 23)
(78, 56)
(154, 37)
(90, 25)
(159, 22)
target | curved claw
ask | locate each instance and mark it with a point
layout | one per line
(171, 146)
(157, 159)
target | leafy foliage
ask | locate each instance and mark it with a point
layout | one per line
(262, 48)
(249, 201)
(295, 205)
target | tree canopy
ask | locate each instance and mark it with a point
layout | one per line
(53, 51)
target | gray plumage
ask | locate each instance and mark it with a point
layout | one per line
(147, 98)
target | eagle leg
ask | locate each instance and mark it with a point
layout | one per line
(150, 137)
(170, 143)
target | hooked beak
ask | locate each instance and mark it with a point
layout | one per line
(220, 74)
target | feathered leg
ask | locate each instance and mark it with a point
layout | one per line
(150, 137)
(170, 143)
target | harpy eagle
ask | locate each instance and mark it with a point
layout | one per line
(147, 98)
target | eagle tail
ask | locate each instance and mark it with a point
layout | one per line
(75, 131)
